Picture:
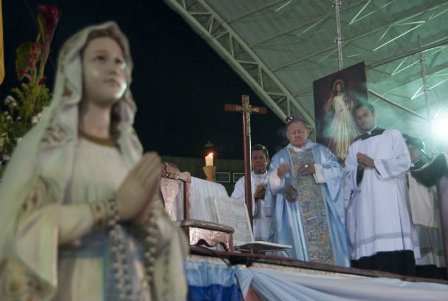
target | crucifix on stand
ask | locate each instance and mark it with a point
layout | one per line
(246, 109)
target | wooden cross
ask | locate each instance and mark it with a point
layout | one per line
(246, 109)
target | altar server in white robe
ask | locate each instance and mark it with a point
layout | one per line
(261, 210)
(378, 220)
(425, 215)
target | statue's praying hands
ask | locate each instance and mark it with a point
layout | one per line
(139, 189)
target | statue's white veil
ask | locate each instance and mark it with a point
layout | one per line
(47, 151)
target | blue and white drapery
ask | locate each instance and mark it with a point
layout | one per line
(213, 281)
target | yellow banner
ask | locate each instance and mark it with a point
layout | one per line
(2, 60)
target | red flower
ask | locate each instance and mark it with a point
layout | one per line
(48, 18)
(24, 74)
(35, 52)
(50, 15)
(32, 56)
(42, 81)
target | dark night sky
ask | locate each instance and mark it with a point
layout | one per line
(179, 83)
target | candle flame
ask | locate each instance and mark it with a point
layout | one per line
(209, 159)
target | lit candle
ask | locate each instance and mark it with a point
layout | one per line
(209, 160)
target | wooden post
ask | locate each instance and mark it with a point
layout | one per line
(246, 110)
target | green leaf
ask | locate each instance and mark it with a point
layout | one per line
(41, 27)
(23, 53)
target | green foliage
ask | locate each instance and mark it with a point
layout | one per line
(24, 106)
(22, 112)
(23, 54)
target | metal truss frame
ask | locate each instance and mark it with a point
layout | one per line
(228, 44)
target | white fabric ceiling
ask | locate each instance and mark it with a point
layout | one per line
(279, 47)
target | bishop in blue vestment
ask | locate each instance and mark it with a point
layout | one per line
(307, 200)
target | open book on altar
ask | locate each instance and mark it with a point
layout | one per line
(233, 212)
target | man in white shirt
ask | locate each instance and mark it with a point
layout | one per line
(261, 212)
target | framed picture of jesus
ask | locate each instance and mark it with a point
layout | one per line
(335, 97)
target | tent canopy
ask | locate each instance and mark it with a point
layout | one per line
(279, 47)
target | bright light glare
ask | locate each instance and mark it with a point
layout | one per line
(440, 127)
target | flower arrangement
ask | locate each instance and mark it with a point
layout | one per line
(25, 104)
